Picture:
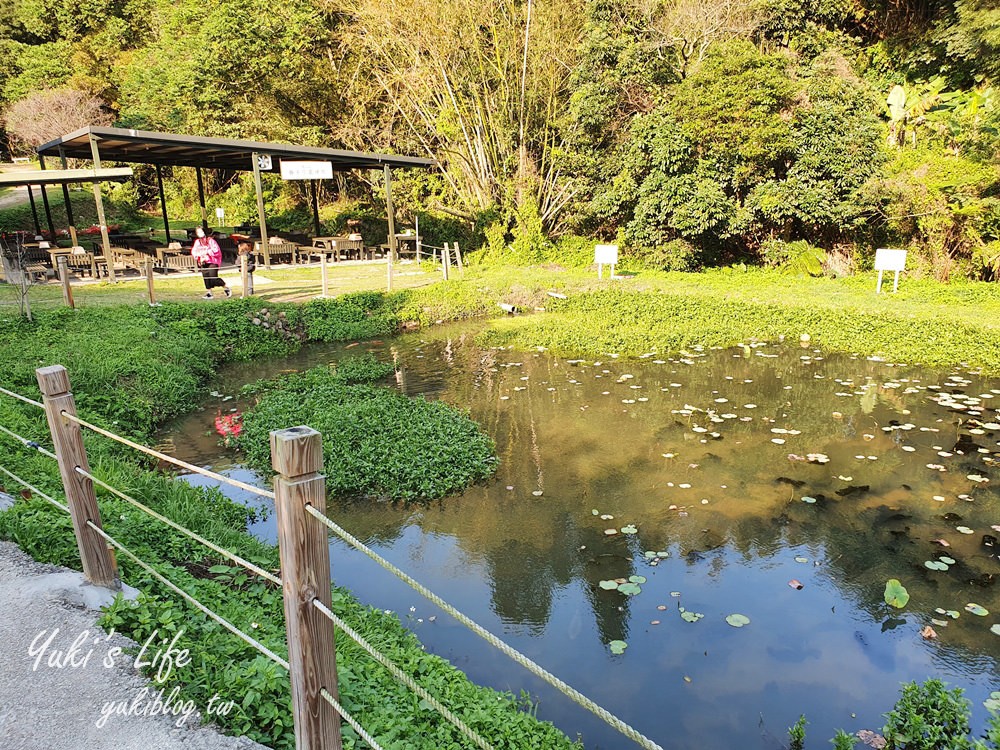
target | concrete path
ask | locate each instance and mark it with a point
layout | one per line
(53, 696)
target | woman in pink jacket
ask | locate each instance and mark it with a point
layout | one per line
(208, 255)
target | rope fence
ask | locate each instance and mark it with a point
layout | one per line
(19, 397)
(34, 445)
(169, 459)
(242, 562)
(402, 677)
(300, 491)
(34, 489)
(250, 640)
(570, 692)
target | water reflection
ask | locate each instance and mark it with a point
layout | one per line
(709, 455)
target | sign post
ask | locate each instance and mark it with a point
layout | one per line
(220, 216)
(887, 259)
(605, 255)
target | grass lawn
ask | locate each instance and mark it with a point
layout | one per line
(280, 284)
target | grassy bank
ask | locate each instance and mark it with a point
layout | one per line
(132, 368)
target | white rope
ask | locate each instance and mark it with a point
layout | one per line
(517, 656)
(34, 489)
(169, 459)
(19, 397)
(28, 443)
(350, 719)
(187, 532)
(186, 596)
(404, 678)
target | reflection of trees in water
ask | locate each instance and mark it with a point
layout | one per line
(595, 452)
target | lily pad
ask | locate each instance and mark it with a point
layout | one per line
(995, 629)
(637, 579)
(691, 616)
(993, 702)
(649, 555)
(964, 530)
(630, 529)
(807, 499)
(738, 620)
(976, 609)
(617, 647)
(935, 565)
(947, 560)
(629, 589)
(896, 594)
(608, 585)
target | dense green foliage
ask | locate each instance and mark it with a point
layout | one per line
(376, 441)
(131, 368)
(697, 132)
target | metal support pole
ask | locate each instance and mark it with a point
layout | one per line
(95, 155)
(201, 200)
(98, 564)
(264, 241)
(297, 457)
(392, 224)
(315, 207)
(445, 261)
(45, 202)
(163, 201)
(69, 206)
(34, 210)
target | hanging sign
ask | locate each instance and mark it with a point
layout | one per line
(306, 170)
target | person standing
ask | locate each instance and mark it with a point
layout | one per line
(208, 255)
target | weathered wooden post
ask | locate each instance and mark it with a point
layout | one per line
(62, 263)
(458, 259)
(325, 274)
(445, 261)
(98, 563)
(244, 274)
(297, 457)
(148, 270)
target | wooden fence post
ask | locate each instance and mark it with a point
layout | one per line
(458, 259)
(98, 563)
(148, 270)
(63, 265)
(297, 457)
(244, 275)
(325, 274)
(445, 261)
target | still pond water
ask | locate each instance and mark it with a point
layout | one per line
(774, 482)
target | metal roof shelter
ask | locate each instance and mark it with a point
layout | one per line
(63, 177)
(170, 149)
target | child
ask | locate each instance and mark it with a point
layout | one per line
(208, 256)
(244, 248)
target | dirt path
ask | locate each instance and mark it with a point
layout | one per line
(53, 696)
(17, 196)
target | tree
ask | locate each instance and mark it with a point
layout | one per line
(45, 115)
(14, 263)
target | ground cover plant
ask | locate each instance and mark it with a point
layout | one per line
(376, 441)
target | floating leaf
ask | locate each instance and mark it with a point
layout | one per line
(947, 560)
(610, 532)
(896, 594)
(964, 530)
(618, 647)
(795, 584)
(737, 620)
(595, 511)
(976, 609)
(993, 702)
(630, 529)
(995, 629)
(649, 555)
(629, 589)
(935, 565)
(637, 579)
(928, 632)
(801, 559)
(807, 499)
(691, 616)
(608, 585)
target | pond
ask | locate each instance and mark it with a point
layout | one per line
(769, 481)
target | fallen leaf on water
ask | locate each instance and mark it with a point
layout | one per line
(942, 542)
(928, 632)
(795, 584)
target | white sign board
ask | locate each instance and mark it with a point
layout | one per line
(887, 259)
(890, 260)
(605, 255)
(220, 214)
(306, 170)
